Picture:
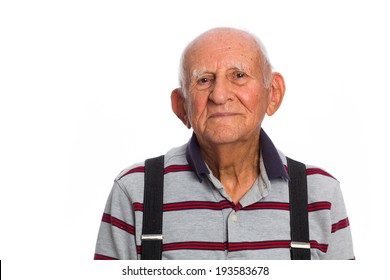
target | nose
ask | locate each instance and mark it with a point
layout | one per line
(221, 91)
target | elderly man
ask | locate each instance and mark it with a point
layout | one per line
(227, 193)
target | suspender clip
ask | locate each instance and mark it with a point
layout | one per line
(300, 245)
(151, 237)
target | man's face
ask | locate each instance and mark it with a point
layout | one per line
(226, 99)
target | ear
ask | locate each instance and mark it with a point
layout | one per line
(276, 93)
(178, 106)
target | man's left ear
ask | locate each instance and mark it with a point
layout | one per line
(276, 93)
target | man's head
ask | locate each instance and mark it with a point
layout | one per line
(227, 86)
(264, 60)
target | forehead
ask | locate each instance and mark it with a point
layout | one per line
(223, 51)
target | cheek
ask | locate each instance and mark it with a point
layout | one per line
(254, 100)
(197, 107)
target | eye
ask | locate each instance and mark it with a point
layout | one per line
(204, 82)
(239, 75)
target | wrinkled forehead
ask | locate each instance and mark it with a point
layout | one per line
(222, 50)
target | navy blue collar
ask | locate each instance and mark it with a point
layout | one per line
(272, 162)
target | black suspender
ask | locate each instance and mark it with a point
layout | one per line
(153, 201)
(299, 221)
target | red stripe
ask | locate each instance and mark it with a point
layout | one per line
(314, 171)
(259, 245)
(236, 207)
(177, 168)
(268, 206)
(168, 169)
(106, 218)
(138, 206)
(103, 257)
(322, 247)
(272, 245)
(190, 205)
(139, 169)
(317, 206)
(118, 223)
(340, 225)
(208, 205)
(212, 246)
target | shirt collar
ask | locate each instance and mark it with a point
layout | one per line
(272, 162)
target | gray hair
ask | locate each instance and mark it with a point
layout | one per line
(266, 67)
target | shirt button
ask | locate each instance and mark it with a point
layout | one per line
(234, 217)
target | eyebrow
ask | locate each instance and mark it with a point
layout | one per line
(199, 72)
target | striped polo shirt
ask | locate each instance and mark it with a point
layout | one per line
(200, 221)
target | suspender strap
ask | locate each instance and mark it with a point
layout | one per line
(299, 221)
(151, 237)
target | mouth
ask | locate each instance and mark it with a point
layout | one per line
(222, 115)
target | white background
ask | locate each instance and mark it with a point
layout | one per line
(85, 89)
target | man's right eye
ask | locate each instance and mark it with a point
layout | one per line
(204, 83)
(203, 80)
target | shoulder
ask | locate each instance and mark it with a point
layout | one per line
(131, 179)
(311, 170)
(321, 183)
(174, 157)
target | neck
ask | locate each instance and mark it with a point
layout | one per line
(236, 165)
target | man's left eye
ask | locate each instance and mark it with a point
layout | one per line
(240, 75)
(239, 78)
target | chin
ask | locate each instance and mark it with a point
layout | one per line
(223, 136)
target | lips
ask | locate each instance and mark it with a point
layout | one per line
(223, 115)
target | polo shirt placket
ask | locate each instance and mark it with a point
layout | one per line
(232, 219)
